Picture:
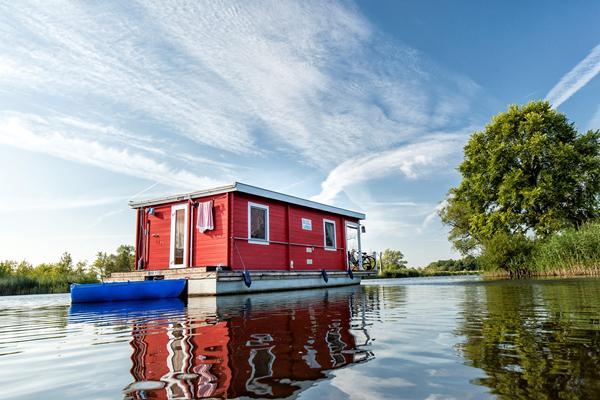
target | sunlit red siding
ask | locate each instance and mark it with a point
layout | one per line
(210, 247)
(159, 237)
(227, 244)
(281, 250)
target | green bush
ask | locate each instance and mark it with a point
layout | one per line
(400, 273)
(509, 253)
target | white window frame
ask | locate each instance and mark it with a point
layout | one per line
(254, 240)
(186, 237)
(325, 221)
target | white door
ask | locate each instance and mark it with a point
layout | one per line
(179, 236)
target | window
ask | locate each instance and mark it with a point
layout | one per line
(329, 234)
(258, 223)
(178, 248)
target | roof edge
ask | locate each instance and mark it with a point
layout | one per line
(252, 190)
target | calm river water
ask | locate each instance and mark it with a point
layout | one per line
(435, 338)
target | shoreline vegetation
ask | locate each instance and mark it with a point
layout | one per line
(19, 278)
(571, 252)
(392, 264)
(421, 273)
(22, 278)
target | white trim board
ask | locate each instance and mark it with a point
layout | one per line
(248, 189)
(186, 236)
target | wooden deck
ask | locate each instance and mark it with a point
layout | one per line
(210, 283)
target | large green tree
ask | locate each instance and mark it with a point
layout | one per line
(528, 174)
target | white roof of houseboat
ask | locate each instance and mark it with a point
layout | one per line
(249, 189)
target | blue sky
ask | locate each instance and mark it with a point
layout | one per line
(363, 105)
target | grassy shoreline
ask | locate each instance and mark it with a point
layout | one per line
(571, 252)
(21, 278)
(23, 285)
(417, 273)
(556, 273)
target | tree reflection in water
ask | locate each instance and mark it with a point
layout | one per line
(535, 339)
(263, 346)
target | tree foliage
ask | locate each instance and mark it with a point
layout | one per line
(527, 174)
(122, 261)
(468, 263)
(392, 260)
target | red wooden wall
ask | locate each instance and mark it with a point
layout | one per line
(277, 254)
(159, 237)
(287, 240)
(210, 247)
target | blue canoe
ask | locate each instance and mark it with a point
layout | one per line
(126, 291)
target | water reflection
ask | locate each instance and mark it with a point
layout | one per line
(432, 338)
(534, 339)
(269, 346)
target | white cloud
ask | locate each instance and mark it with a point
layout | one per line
(102, 52)
(45, 136)
(433, 215)
(312, 79)
(576, 78)
(411, 161)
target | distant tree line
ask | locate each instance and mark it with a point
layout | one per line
(393, 265)
(24, 278)
(468, 263)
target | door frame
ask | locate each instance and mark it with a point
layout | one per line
(186, 237)
(354, 225)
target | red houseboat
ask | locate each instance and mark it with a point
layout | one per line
(241, 238)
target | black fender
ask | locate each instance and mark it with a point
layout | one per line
(247, 278)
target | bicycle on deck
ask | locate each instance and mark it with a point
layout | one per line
(368, 261)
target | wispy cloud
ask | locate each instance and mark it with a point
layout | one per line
(46, 136)
(54, 204)
(576, 78)
(411, 161)
(103, 217)
(433, 215)
(100, 52)
(309, 79)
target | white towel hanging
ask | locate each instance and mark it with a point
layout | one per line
(205, 217)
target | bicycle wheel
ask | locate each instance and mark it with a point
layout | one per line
(368, 263)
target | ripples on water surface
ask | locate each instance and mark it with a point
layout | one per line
(411, 338)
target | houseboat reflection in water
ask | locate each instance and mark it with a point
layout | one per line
(264, 346)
